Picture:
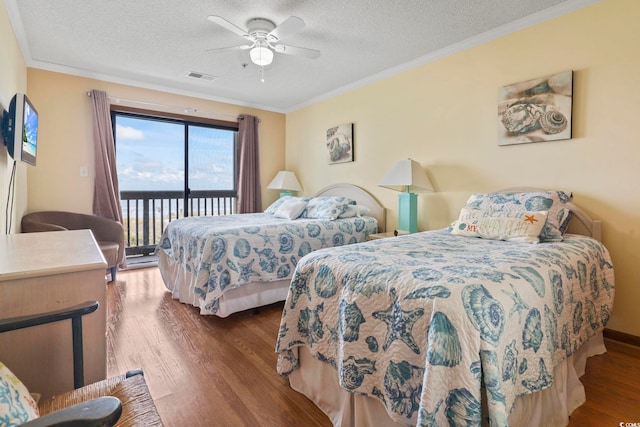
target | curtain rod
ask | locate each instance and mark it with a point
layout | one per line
(118, 99)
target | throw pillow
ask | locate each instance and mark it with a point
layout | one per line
(16, 404)
(512, 226)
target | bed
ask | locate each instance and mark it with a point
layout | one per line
(232, 263)
(436, 328)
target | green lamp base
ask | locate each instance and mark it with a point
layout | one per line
(408, 212)
(285, 194)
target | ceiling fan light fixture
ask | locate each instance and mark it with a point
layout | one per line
(261, 55)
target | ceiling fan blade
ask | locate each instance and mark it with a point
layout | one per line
(291, 25)
(230, 48)
(298, 51)
(228, 25)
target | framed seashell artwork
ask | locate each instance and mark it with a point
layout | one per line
(536, 110)
(340, 144)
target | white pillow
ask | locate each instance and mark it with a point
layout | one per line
(354, 210)
(510, 226)
(325, 207)
(290, 209)
(275, 205)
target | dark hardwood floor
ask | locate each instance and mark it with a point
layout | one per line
(208, 371)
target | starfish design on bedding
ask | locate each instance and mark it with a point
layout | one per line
(333, 334)
(246, 271)
(399, 323)
(519, 306)
(299, 286)
(266, 238)
(530, 218)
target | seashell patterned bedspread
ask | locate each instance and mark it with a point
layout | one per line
(421, 321)
(226, 252)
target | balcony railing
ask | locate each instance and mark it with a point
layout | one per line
(147, 213)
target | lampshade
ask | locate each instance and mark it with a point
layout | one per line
(408, 176)
(261, 55)
(285, 181)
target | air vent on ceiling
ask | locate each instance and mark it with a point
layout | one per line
(201, 76)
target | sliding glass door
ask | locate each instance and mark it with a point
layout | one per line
(211, 166)
(170, 168)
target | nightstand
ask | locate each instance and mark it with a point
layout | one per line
(377, 236)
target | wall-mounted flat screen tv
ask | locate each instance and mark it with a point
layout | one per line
(20, 129)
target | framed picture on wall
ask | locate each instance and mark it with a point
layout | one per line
(340, 144)
(536, 110)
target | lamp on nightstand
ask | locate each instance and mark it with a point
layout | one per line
(286, 182)
(407, 176)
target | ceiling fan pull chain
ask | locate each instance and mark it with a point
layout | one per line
(262, 74)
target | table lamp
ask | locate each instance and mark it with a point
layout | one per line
(407, 176)
(285, 181)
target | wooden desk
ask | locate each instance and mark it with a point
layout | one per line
(48, 271)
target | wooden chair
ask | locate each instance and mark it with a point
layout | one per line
(121, 401)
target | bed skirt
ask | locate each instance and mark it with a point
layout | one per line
(550, 407)
(178, 281)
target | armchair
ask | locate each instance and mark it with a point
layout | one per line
(109, 234)
(121, 401)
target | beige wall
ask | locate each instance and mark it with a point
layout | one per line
(443, 114)
(66, 136)
(13, 79)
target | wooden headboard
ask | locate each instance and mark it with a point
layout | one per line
(361, 196)
(580, 222)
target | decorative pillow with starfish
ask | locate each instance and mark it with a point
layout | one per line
(553, 202)
(524, 226)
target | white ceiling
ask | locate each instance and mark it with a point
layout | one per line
(155, 43)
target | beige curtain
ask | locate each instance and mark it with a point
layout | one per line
(106, 194)
(249, 190)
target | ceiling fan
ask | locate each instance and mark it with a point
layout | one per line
(264, 39)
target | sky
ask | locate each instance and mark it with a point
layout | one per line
(150, 156)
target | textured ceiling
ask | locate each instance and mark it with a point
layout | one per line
(155, 43)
